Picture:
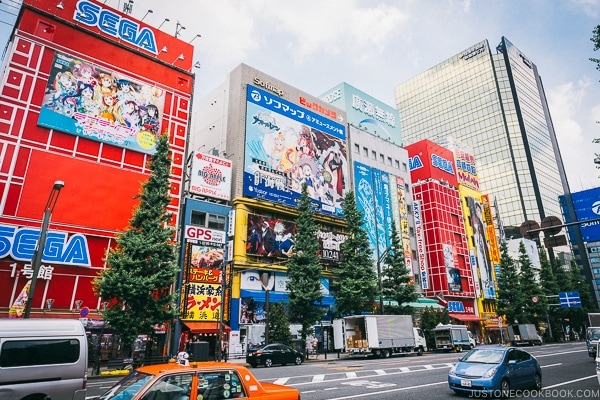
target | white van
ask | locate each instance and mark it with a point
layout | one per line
(43, 359)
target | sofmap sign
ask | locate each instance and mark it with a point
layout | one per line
(114, 24)
(20, 244)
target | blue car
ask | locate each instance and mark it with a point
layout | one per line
(495, 371)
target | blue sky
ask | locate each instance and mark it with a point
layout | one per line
(374, 45)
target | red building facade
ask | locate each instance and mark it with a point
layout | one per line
(57, 123)
(443, 255)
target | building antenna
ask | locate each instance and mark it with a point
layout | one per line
(128, 7)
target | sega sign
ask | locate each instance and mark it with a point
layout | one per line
(206, 235)
(115, 25)
(20, 244)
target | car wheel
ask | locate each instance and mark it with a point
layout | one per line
(537, 382)
(298, 360)
(420, 351)
(505, 388)
(268, 362)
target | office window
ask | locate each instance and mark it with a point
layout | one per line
(365, 152)
(396, 164)
(357, 148)
(404, 167)
(198, 219)
(374, 155)
(216, 222)
(381, 158)
(390, 161)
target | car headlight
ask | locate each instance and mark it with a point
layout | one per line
(490, 372)
(452, 370)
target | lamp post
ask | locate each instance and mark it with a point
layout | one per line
(264, 281)
(379, 280)
(39, 249)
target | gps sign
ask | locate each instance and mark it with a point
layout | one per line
(204, 235)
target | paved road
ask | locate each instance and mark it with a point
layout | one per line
(568, 372)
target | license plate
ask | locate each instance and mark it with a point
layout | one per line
(465, 383)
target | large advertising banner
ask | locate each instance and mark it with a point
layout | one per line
(482, 250)
(270, 237)
(365, 201)
(587, 208)
(404, 228)
(464, 158)
(86, 100)
(211, 176)
(288, 146)
(421, 254)
(452, 272)
(382, 240)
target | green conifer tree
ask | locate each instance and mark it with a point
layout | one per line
(279, 324)
(142, 266)
(532, 311)
(510, 300)
(356, 285)
(396, 278)
(304, 271)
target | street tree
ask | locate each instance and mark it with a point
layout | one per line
(356, 284)
(142, 265)
(550, 288)
(304, 271)
(279, 324)
(535, 305)
(510, 299)
(396, 278)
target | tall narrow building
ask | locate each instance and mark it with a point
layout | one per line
(494, 101)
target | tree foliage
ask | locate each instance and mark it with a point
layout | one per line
(510, 300)
(596, 40)
(429, 320)
(304, 271)
(396, 278)
(356, 285)
(142, 266)
(279, 324)
(532, 312)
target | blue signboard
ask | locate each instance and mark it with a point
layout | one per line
(587, 208)
(569, 299)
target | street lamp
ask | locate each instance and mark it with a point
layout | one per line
(39, 249)
(264, 281)
(379, 282)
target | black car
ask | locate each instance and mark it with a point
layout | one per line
(275, 353)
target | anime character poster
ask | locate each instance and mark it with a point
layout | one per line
(482, 250)
(270, 237)
(94, 102)
(452, 273)
(288, 146)
(365, 202)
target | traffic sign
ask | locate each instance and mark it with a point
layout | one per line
(535, 299)
(569, 299)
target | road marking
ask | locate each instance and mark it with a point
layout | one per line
(550, 365)
(566, 383)
(428, 366)
(380, 372)
(318, 378)
(556, 354)
(281, 381)
(351, 375)
(404, 369)
(386, 391)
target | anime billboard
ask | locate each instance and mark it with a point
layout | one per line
(288, 146)
(270, 237)
(96, 103)
(365, 201)
(482, 250)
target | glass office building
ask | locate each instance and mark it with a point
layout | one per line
(494, 101)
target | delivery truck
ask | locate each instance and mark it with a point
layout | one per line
(593, 334)
(519, 334)
(378, 335)
(453, 337)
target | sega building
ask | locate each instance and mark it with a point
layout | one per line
(278, 138)
(442, 253)
(85, 93)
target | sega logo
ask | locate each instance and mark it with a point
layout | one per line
(113, 24)
(442, 163)
(20, 244)
(456, 306)
(204, 234)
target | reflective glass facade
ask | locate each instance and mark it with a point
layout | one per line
(495, 103)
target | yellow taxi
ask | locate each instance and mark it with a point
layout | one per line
(196, 381)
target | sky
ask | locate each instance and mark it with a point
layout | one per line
(374, 45)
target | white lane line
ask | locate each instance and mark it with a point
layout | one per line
(318, 378)
(380, 371)
(404, 369)
(428, 366)
(281, 381)
(351, 375)
(550, 365)
(387, 391)
(566, 383)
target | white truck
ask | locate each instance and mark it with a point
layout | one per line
(523, 334)
(453, 337)
(378, 335)
(593, 334)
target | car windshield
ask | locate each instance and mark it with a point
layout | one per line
(594, 333)
(483, 356)
(127, 387)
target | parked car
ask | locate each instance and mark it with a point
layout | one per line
(495, 370)
(196, 381)
(275, 353)
(598, 362)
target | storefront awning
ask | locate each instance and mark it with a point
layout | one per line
(425, 303)
(205, 326)
(466, 317)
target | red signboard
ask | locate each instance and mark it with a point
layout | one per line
(430, 160)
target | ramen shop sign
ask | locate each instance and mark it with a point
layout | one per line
(115, 25)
